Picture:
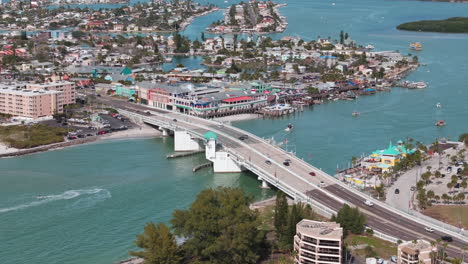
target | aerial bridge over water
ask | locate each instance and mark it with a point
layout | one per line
(231, 149)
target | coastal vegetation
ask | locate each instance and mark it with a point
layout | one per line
(450, 25)
(218, 226)
(350, 219)
(29, 136)
(286, 219)
(375, 247)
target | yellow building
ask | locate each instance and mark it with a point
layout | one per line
(387, 158)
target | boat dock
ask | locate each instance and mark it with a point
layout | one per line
(183, 154)
(201, 166)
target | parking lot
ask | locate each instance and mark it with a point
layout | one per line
(107, 123)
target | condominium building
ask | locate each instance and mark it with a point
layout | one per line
(415, 252)
(19, 101)
(318, 242)
(68, 89)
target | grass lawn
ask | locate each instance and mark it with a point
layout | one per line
(381, 247)
(23, 137)
(452, 214)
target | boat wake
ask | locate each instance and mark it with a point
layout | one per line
(67, 195)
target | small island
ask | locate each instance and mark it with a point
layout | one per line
(251, 17)
(450, 25)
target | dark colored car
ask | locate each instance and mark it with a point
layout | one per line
(243, 137)
(446, 238)
(312, 174)
(175, 120)
(268, 162)
(397, 191)
(286, 163)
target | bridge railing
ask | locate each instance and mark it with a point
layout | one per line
(438, 225)
(431, 222)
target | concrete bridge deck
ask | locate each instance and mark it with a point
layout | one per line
(251, 153)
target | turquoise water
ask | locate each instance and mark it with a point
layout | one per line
(98, 196)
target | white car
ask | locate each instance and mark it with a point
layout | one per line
(369, 203)
(322, 184)
(429, 229)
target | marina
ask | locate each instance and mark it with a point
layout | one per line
(326, 134)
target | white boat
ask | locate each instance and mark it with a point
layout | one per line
(41, 197)
(439, 105)
(370, 47)
(420, 85)
(279, 107)
(355, 113)
(289, 128)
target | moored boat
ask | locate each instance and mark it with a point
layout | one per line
(440, 123)
(416, 46)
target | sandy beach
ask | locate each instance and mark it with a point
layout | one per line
(5, 149)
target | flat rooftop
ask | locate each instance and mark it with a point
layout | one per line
(413, 248)
(328, 230)
(4, 89)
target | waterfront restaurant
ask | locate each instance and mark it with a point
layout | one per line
(385, 159)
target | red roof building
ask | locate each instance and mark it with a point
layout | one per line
(239, 99)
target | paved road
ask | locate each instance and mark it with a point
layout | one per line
(297, 176)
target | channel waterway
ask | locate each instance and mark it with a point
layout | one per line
(85, 204)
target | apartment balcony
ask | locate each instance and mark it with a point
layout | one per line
(329, 243)
(328, 251)
(308, 248)
(307, 255)
(328, 259)
(306, 261)
(309, 240)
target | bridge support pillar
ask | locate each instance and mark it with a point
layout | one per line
(222, 160)
(265, 185)
(183, 141)
(165, 132)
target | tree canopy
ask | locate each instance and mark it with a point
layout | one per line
(350, 219)
(158, 244)
(220, 226)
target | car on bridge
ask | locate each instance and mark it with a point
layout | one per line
(286, 163)
(268, 162)
(312, 173)
(429, 229)
(446, 238)
(322, 184)
(243, 137)
(369, 203)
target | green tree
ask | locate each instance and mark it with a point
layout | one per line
(220, 226)
(350, 219)
(158, 244)
(281, 214)
(298, 212)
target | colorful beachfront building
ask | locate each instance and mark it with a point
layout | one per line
(125, 91)
(385, 159)
(203, 101)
